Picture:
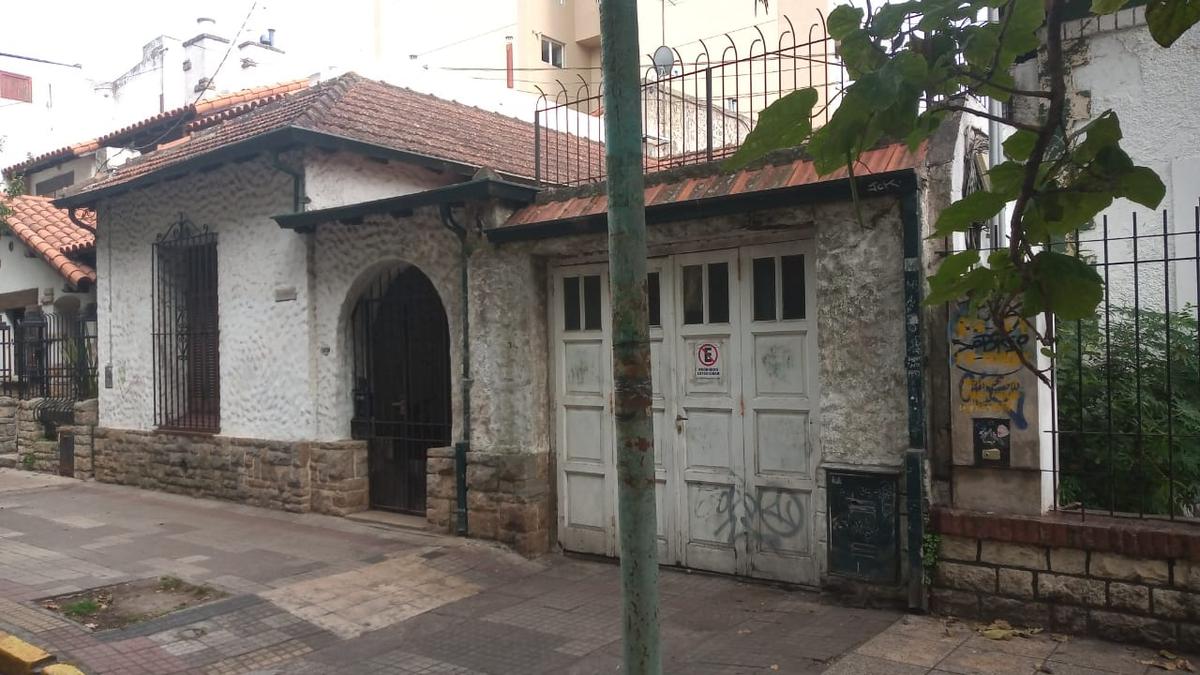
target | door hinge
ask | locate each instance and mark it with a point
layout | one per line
(742, 405)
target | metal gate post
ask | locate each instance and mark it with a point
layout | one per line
(630, 337)
(460, 480)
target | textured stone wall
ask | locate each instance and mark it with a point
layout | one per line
(293, 476)
(38, 445)
(1128, 581)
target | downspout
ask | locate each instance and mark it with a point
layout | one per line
(462, 447)
(299, 198)
(914, 458)
(79, 223)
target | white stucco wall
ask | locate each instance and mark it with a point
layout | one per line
(263, 343)
(277, 382)
(21, 269)
(337, 178)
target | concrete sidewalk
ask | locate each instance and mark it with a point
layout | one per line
(316, 594)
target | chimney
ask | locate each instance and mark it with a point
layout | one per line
(201, 55)
(269, 38)
(508, 60)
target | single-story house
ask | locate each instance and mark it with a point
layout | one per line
(309, 303)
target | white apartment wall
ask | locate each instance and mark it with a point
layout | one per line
(64, 111)
(22, 269)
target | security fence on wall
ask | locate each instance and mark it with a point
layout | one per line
(1123, 417)
(696, 108)
(50, 357)
(1126, 381)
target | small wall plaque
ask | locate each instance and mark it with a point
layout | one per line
(285, 293)
(991, 437)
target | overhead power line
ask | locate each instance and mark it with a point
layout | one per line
(37, 60)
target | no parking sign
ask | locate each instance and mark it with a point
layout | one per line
(708, 361)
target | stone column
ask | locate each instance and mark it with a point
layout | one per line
(509, 489)
(1002, 457)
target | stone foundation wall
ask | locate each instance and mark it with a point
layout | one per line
(300, 476)
(37, 443)
(1123, 580)
(509, 497)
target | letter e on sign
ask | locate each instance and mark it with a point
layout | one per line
(708, 361)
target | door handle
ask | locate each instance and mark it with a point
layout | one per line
(679, 420)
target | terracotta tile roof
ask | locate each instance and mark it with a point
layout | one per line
(48, 231)
(708, 181)
(371, 112)
(196, 116)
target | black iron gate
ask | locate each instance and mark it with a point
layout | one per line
(401, 346)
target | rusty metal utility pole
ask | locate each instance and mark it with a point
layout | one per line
(631, 336)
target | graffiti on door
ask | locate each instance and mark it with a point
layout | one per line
(772, 519)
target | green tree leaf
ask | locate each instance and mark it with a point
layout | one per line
(1143, 186)
(1019, 145)
(1107, 6)
(1006, 179)
(1068, 286)
(843, 21)
(1168, 19)
(783, 124)
(974, 208)
(888, 20)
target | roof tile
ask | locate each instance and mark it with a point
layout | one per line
(794, 173)
(49, 231)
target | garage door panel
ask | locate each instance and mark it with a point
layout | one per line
(585, 435)
(582, 367)
(709, 440)
(780, 366)
(781, 446)
(585, 499)
(782, 521)
(711, 517)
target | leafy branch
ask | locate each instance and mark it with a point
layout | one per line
(914, 62)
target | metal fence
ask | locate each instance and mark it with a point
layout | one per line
(48, 357)
(693, 111)
(1126, 382)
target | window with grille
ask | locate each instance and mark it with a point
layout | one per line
(187, 380)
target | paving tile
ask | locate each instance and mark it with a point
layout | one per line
(1101, 656)
(968, 660)
(862, 664)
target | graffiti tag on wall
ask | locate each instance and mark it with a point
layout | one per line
(987, 367)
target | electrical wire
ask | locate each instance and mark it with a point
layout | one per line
(466, 39)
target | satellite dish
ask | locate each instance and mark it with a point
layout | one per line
(664, 60)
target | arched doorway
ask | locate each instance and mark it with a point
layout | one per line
(401, 352)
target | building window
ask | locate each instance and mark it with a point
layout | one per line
(187, 375)
(779, 288)
(54, 184)
(552, 52)
(706, 293)
(16, 87)
(581, 303)
(731, 104)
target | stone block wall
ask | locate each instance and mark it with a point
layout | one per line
(37, 444)
(1120, 579)
(509, 499)
(299, 476)
(8, 424)
(441, 490)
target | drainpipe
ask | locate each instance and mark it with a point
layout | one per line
(914, 458)
(462, 447)
(298, 190)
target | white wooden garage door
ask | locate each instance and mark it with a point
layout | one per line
(734, 365)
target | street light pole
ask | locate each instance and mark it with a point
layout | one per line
(631, 338)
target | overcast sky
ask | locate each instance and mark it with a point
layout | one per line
(106, 37)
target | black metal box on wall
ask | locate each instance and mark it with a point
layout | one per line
(864, 528)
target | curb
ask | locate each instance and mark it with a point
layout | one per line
(18, 657)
